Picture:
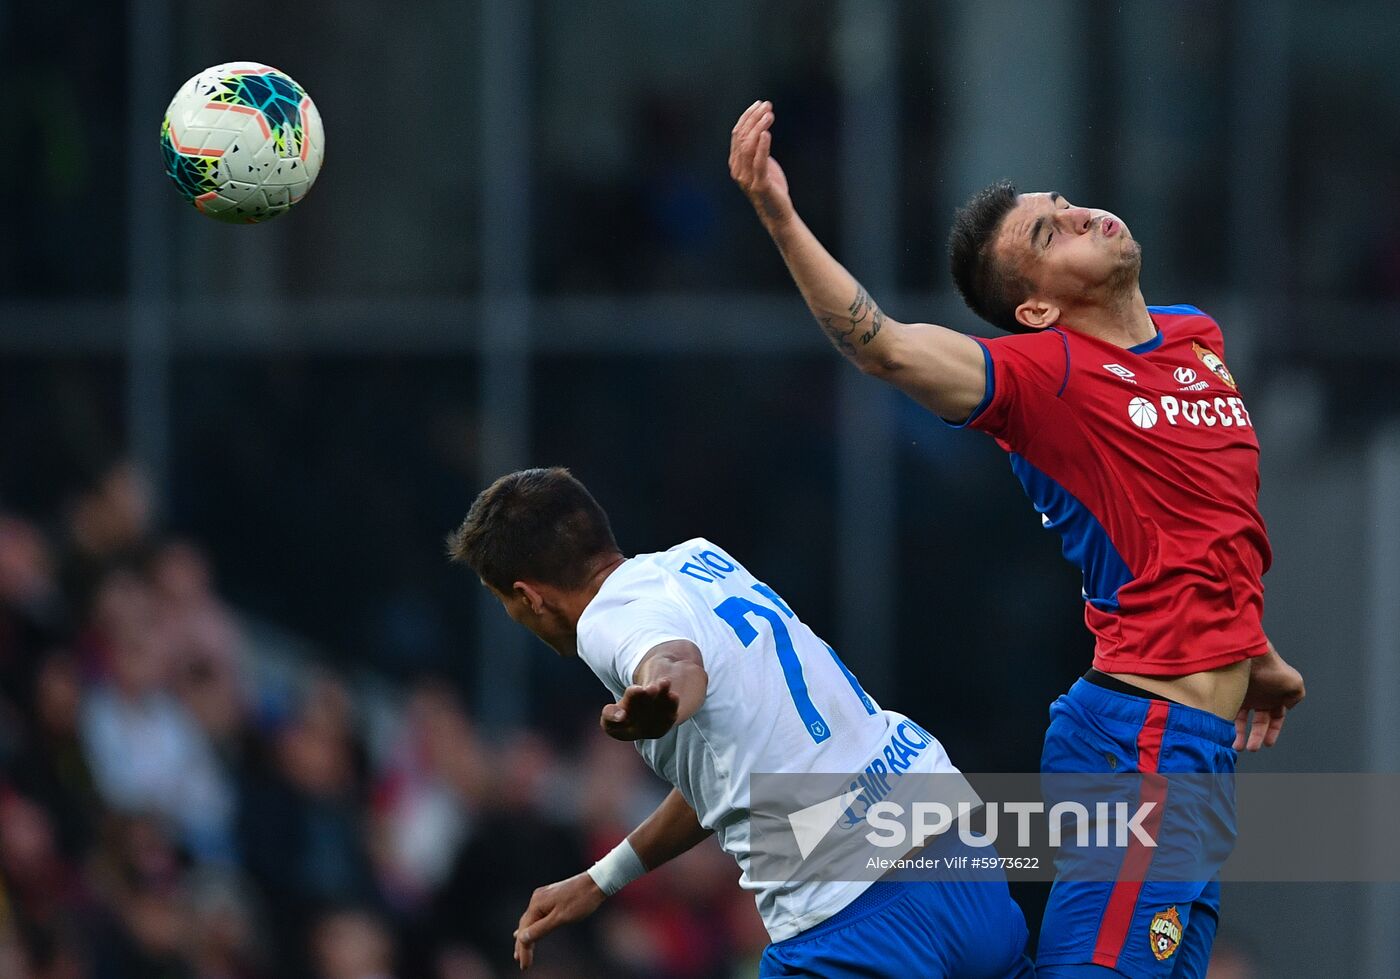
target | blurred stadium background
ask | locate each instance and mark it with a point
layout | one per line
(251, 723)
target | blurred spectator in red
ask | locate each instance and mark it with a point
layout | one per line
(432, 785)
(44, 891)
(746, 931)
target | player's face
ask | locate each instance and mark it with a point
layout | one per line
(1065, 251)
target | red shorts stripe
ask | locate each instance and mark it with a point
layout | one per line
(1118, 913)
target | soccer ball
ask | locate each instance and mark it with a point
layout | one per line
(243, 142)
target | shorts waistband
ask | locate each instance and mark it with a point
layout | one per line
(1109, 682)
(868, 901)
(1131, 709)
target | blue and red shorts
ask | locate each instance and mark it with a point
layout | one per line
(1135, 925)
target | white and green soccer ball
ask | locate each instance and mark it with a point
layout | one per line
(243, 142)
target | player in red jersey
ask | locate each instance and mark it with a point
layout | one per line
(1131, 438)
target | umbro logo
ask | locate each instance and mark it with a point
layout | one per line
(1121, 371)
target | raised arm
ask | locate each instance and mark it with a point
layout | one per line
(941, 369)
(668, 832)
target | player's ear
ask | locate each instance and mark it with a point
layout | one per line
(1037, 314)
(531, 595)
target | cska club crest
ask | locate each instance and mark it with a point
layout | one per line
(1165, 933)
(1216, 365)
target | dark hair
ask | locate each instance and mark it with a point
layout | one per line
(990, 288)
(536, 524)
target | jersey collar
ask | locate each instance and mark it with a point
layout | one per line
(1147, 345)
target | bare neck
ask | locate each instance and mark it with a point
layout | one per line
(573, 603)
(1123, 322)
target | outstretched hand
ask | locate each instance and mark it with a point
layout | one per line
(645, 711)
(752, 166)
(1274, 689)
(551, 906)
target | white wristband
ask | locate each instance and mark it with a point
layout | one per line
(618, 869)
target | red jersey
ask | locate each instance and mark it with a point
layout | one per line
(1145, 461)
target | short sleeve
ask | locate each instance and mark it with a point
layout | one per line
(1024, 373)
(616, 639)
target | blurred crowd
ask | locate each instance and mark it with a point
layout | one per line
(181, 797)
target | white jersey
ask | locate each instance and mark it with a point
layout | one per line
(779, 700)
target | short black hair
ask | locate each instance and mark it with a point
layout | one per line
(537, 525)
(990, 288)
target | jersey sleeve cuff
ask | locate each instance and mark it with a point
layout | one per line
(986, 396)
(629, 668)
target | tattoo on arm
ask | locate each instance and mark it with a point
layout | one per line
(877, 320)
(836, 335)
(862, 312)
(860, 306)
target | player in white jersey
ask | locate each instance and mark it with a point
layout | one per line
(715, 679)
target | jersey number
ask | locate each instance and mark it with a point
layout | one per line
(735, 611)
